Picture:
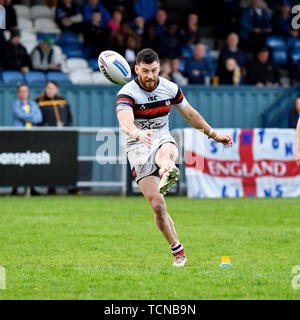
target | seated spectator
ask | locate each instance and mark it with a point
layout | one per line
(169, 43)
(190, 33)
(232, 50)
(95, 35)
(149, 39)
(43, 56)
(231, 73)
(94, 5)
(56, 111)
(114, 23)
(159, 23)
(26, 113)
(14, 55)
(176, 75)
(263, 71)
(282, 21)
(198, 67)
(294, 114)
(255, 26)
(145, 8)
(130, 50)
(11, 16)
(165, 69)
(68, 16)
(138, 25)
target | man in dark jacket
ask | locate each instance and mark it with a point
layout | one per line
(263, 71)
(56, 112)
(68, 16)
(14, 55)
(55, 108)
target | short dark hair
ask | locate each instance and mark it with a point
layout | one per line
(147, 56)
(53, 82)
(20, 85)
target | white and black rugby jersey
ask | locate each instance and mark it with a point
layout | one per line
(150, 108)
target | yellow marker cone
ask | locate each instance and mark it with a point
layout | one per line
(225, 261)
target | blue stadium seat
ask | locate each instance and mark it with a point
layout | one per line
(68, 38)
(295, 56)
(186, 52)
(42, 35)
(280, 57)
(276, 43)
(35, 77)
(12, 77)
(293, 43)
(58, 76)
(73, 51)
(93, 64)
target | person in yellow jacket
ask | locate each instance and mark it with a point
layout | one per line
(56, 112)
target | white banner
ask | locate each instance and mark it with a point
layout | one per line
(260, 164)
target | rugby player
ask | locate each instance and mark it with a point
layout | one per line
(143, 107)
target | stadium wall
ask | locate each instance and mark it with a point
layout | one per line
(222, 106)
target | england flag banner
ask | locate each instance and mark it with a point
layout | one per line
(260, 164)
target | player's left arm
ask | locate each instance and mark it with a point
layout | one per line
(298, 142)
(194, 118)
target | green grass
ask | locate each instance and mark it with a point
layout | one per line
(110, 248)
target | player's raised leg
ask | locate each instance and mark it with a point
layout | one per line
(169, 174)
(149, 187)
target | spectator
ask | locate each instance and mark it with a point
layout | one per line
(11, 16)
(95, 35)
(68, 16)
(26, 113)
(56, 112)
(94, 5)
(43, 56)
(159, 23)
(198, 67)
(282, 21)
(169, 43)
(263, 71)
(255, 26)
(190, 33)
(232, 50)
(165, 69)
(145, 8)
(149, 39)
(138, 25)
(231, 73)
(14, 55)
(115, 21)
(176, 75)
(294, 114)
(130, 50)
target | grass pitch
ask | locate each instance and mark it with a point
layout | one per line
(109, 248)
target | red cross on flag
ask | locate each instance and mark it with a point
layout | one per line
(260, 164)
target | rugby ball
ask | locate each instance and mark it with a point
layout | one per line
(114, 67)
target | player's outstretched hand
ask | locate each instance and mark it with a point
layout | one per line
(145, 137)
(298, 161)
(225, 139)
